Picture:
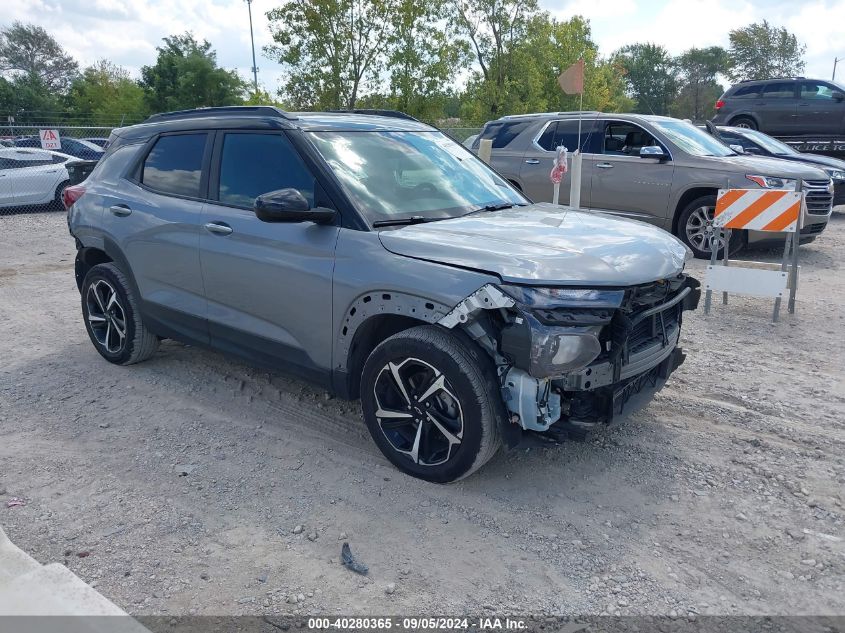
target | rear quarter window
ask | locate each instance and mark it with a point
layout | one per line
(746, 92)
(503, 132)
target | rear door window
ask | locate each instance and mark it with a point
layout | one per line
(174, 164)
(565, 133)
(779, 90)
(253, 164)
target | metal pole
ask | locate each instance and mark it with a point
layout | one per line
(252, 40)
(725, 254)
(713, 251)
(796, 239)
(836, 60)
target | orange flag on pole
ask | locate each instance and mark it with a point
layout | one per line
(571, 80)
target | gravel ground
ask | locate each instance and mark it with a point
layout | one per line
(195, 484)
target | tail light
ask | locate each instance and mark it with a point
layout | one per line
(720, 104)
(72, 194)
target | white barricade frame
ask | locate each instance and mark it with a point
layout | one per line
(759, 210)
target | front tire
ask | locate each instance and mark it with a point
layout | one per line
(432, 403)
(112, 317)
(695, 228)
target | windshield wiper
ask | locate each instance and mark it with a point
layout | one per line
(414, 219)
(495, 206)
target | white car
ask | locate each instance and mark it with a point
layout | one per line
(32, 176)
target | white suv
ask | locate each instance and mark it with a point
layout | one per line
(32, 177)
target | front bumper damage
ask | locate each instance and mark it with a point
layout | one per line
(579, 368)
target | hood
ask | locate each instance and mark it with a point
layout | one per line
(765, 166)
(546, 244)
(816, 159)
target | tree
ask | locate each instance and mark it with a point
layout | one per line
(331, 48)
(186, 75)
(28, 100)
(29, 51)
(105, 92)
(762, 51)
(698, 68)
(549, 48)
(421, 57)
(650, 75)
(493, 29)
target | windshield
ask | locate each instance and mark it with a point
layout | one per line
(692, 139)
(392, 175)
(768, 143)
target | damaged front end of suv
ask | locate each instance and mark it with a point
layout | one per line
(570, 359)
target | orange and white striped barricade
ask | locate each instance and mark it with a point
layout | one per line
(776, 210)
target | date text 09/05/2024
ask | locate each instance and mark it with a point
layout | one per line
(418, 623)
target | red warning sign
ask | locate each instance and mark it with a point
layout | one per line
(50, 139)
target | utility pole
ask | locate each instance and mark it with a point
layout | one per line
(836, 60)
(252, 39)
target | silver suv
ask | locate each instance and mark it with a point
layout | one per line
(652, 168)
(379, 259)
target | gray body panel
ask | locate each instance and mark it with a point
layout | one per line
(546, 244)
(271, 281)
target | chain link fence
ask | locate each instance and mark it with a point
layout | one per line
(32, 178)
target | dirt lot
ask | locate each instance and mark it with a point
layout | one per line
(177, 486)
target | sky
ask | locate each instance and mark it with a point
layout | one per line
(128, 31)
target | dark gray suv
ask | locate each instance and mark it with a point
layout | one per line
(379, 259)
(785, 107)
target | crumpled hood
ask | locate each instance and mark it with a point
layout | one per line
(546, 244)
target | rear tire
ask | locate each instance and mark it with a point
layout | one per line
(695, 228)
(112, 317)
(432, 403)
(744, 122)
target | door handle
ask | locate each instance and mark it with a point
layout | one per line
(218, 228)
(532, 161)
(604, 165)
(120, 210)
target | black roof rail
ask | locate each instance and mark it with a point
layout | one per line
(220, 111)
(748, 81)
(396, 114)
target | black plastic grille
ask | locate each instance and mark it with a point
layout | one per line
(819, 199)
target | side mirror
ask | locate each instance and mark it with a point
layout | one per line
(739, 149)
(839, 96)
(652, 151)
(289, 205)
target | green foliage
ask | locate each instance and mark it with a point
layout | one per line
(762, 51)
(186, 75)
(28, 99)
(650, 75)
(493, 30)
(421, 58)
(106, 93)
(332, 49)
(29, 51)
(698, 69)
